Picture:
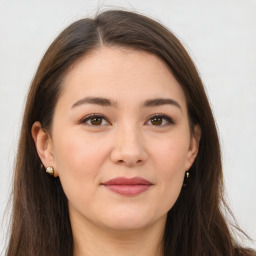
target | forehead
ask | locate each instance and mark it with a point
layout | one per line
(123, 75)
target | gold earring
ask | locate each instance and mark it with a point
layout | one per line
(50, 170)
(185, 182)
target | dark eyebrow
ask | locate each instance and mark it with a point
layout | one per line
(109, 103)
(95, 100)
(160, 102)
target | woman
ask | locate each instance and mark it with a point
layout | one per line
(118, 153)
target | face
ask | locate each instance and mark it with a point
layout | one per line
(120, 140)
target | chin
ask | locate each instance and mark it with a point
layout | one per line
(126, 225)
(128, 220)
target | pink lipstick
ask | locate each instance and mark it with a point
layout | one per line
(128, 186)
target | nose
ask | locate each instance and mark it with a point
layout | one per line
(128, 147)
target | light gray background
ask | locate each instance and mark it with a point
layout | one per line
(220, 35)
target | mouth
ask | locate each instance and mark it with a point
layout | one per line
(128, 186)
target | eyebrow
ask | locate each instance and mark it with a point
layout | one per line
(95, 100)
(110, 103)
(160, 102)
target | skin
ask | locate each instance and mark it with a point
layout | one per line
(127, 142)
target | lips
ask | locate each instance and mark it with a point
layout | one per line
(128, 186)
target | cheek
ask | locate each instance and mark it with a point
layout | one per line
(171, 165)
(78, 162)
(170, 158)
(171, 154)
(77, 154)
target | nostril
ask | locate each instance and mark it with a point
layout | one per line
(128, 152)
(129, 162)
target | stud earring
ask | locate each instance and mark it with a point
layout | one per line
(185, 182)
(50, 170)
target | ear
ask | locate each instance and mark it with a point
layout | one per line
(43, 143)
(194, 146)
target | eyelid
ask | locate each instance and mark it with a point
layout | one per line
(87, 118)
(164, 116)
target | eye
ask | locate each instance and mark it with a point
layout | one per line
(94, 120)
(160, 120)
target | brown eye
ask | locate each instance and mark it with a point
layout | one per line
(157, 120)
(160, 120)
(96, 120)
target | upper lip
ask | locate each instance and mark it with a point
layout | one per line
(127, 181)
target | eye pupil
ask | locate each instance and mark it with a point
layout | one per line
(157, 120)
(96, 121)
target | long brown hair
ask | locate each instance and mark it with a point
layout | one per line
(40, 221)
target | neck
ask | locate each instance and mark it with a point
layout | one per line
(90, 240)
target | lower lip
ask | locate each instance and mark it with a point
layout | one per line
(128, 190)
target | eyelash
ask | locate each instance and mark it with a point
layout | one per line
(90, 117)
(169, 121)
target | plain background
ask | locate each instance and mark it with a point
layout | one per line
(220, 35)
